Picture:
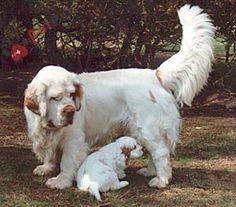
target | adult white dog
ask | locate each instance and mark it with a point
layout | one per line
(141, 103)
(101, 171)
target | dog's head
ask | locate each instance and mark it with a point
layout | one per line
(129, 147)
(54, 96)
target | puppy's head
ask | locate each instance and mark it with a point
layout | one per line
(54, 96)
(130, 148)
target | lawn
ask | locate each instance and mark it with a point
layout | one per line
(204, 168)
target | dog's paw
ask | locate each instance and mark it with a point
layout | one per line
(59, 182)
(145, 172)
(158, 183)
(123, 184)
(121, 175)
(43, 169)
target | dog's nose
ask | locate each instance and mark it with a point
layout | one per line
(68, 112)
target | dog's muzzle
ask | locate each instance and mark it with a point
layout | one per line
(68, 112)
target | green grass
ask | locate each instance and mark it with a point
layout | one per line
(204, 170)
(219, 47)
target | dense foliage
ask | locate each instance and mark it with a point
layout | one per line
(103, 34)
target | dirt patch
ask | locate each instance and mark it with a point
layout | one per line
(204, 168)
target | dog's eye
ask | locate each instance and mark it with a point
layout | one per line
(73, 95)
(56, 98)
(53, 98)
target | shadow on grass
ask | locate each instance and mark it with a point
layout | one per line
(206, 153)
(204, 178)
(17, 164)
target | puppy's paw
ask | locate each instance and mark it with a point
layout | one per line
(123, 184)
(121, 175)
(59, 182)
(144, 172)
(158, 182)
(44, 169)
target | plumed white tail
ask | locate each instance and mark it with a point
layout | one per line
(84, 183)
(187, 72)
(93, 189)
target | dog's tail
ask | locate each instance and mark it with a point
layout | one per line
(93, 189)
(186, 72)
(84, 183)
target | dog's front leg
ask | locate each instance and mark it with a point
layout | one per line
(47, 155)
(74, 152)
(121, 173)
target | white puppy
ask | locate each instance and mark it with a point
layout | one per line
(102, 170)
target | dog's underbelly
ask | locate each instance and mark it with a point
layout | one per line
(106, 134)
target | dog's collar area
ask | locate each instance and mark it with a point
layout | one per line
(36, 113)
(51, 125)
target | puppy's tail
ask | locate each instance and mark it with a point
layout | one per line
(93, 189)
(84, 183)
(186, 72)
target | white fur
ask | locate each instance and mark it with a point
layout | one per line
(132, 102)
(186, 72)
(57, 83)
(101, 170)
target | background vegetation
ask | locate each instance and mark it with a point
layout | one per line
(91, 35)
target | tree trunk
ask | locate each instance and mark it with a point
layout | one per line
(52, 52)
(2, 19)
(125, 52)
(6, 15)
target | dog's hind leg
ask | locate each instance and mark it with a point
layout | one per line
(160, 153)
(161, 157)
(157, 142)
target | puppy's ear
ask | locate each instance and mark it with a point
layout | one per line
(126, 151)
(78, 95)
(35, 99)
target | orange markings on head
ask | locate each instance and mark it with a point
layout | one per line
(78, 90)
(126, 151)
(30, 100)
(78, 95)
(30, 104)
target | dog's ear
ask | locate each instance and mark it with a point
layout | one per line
(31, 100)
(78, 95)
(35, 99)
(126, 152)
